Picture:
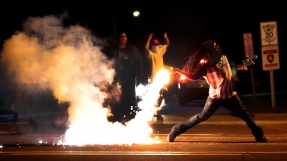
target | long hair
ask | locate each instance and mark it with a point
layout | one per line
(129, 47)
(210, 51)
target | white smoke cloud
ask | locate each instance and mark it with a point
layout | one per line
(69, 61)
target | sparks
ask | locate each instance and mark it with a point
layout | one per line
(47, 64)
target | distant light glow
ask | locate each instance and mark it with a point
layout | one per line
(255, 56)
(136, 13)
(203, 61)
(182, 77)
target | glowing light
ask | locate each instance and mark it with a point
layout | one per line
(136, 13)
(182, 77)
(203, 61)
(140, 90)
(255, 56)
(149, 99)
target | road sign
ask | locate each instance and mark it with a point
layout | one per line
(248, 45)
(249, 51)
(269, 34)
(247, 37)
(270, 58)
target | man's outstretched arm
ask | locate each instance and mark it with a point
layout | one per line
(166, 39)
(148, 42)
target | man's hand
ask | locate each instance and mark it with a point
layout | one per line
(166, 39)
(172, 70)
(165, 35)
(176, 70)
(150, 36)
(148, 42)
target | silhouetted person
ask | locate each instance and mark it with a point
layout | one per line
(210, 63)
(128, 67)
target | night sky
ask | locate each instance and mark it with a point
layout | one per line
(188, 24)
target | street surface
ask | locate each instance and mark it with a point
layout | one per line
(222, 137)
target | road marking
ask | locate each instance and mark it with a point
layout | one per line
(265, 122)
(192, 134)
(133, 153)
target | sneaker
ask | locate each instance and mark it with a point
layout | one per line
(159, 117)
(261, 139)
(259, 135)
(172, 135)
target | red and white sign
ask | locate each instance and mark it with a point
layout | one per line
(270, 58)
(249, 51)
(248, 45)
(247, 37)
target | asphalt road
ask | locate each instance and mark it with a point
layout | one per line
(222, 137)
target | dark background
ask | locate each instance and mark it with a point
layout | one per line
(187, 23)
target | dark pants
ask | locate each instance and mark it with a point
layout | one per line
(233, 104)
(160, 98)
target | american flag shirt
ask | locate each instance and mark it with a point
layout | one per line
(219, 78)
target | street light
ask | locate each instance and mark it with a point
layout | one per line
(136, 13)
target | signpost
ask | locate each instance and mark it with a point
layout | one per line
(270, 52)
